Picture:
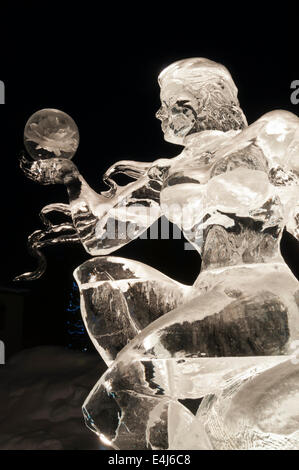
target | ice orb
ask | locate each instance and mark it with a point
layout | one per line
(51, 133)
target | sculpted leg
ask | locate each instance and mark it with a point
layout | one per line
(198, 349)
(129, 410)
(120, 297)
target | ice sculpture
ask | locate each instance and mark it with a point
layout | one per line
(208, 366)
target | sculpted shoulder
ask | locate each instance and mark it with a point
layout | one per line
(278, 136)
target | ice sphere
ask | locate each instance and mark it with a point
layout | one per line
(51, 133)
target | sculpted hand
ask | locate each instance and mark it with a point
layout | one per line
(50, 171)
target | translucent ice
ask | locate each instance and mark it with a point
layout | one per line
(207, 366)
(256, 411)
(51, 133)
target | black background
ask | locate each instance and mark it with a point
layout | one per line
(101, 67)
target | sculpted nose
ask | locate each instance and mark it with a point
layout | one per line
(160, 114)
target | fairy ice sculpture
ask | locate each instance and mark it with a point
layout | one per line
(208, 366)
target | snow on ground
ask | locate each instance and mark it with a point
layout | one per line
(41, 394)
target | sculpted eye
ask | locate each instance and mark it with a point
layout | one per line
(182, 106)
(182, 103)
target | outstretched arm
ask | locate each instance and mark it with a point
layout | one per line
(105, 222)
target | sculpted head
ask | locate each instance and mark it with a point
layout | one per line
(196, 95)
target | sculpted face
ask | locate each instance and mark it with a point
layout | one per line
(177, 112)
